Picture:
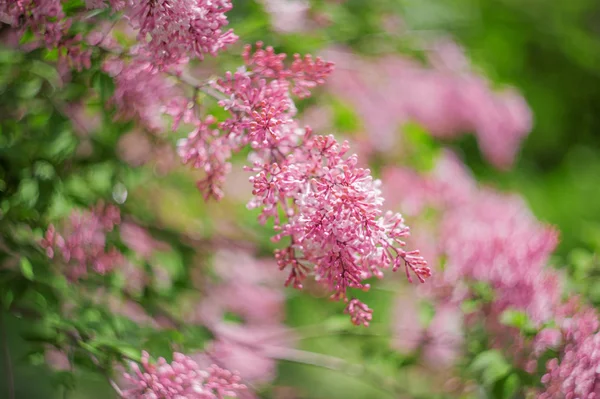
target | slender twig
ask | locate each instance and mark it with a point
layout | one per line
(9, 370)
(387, 385)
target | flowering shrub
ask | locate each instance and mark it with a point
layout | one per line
(112, 110)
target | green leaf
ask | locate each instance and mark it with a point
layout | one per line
(29, 88)
(90, 348)
(491, 366)
(62, 146)
(27, 37)
(46, 71)
(101, 176)
(40, 333)
(104, 86)
(121, 348)
(172, 261)
(43, 170)
(28, 192)
(511, 386)
(27, 269)
(517, 319)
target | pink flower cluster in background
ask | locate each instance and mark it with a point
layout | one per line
(249, 290)
(46, 20)
(81, 243)
(483, 236)
(182, 378)
(140, 92)
(446, 97)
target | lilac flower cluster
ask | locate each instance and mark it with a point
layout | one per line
(46, 20)
(81, 244)
(327, 206)
(182, 378)
(488, 237)
(169, 31)
(174, 30)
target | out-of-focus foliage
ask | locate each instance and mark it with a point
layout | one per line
(49, 165)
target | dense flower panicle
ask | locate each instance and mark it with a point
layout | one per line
(501, 232)
(82, 244)
(576, 374)
(333, 216)
(170, 31)
(317, 195)
(496, 240)
(182, 378)
(575, 334)
(304, 73)
(486, 236)
(173, 30)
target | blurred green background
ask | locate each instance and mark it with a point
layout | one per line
(550, 51)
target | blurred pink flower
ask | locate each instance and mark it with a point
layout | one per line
(288, 15)
(140, 241)
(447, 98)
(182, 378)
(440, 343)
(81, 244)
(249, 290)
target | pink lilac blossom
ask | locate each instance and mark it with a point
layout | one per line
(495, 239)
(439, 342)
(483, 236)
(173, 30)
(576, 375)
(182, 378)
(449, 184)
(249, 290)
(573, 374)
(333, 219)
(447, 98)
(261, 111)
(253, 350)
(82, 244)
(288, 15)
(330, 208)
(140, 91)
(46, 20)
(360, 313)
